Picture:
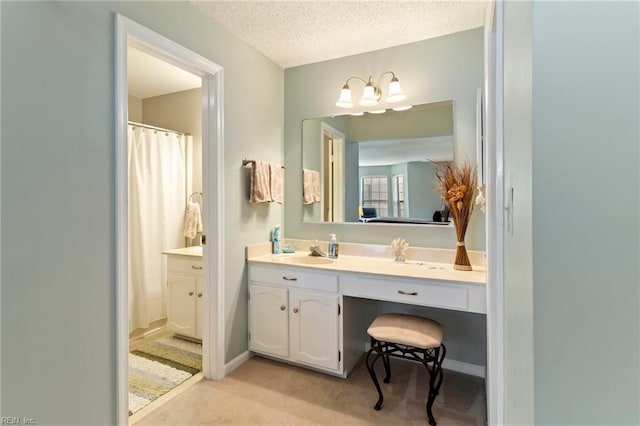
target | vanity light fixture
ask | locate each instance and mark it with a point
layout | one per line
(371, 94)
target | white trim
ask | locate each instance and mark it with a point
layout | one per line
(237, 362)
(495, 198)
(339, 139)
(0, 236)
(480, 133)
(130, 33)
(465, 368)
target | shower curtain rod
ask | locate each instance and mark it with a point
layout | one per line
(146, 126)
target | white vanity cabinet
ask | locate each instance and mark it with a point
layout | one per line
(185, 295)
(294, 315)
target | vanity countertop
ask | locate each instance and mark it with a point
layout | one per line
(376, 265)
(194, 251)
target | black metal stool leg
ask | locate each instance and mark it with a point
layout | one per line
(436, 375)
(412, 338)
(372, 373)
(387, 368)
(443, 351)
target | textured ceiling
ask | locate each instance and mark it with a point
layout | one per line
(294, 33)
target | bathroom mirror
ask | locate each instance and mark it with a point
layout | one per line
(378, 167)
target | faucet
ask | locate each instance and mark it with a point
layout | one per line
(315, 250)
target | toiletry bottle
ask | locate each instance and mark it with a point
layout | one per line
(333, 247)
(275, 240)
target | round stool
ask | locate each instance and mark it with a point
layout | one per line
(412, 338)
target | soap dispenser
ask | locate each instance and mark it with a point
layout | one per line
(333, 247)
(275, 240)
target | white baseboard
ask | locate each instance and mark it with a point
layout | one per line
(465, 367)
(237, 362)
(448, 364)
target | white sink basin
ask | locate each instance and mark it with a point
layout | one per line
(309, 260)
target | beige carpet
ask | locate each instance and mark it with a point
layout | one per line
(265, 392)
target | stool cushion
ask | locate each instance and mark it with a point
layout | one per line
(409, 330)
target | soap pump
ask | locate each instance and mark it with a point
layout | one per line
(333, 247)
(275, 240)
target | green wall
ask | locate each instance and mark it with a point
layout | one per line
(58, 194)
(586, 225)
(572, 281)
(419, 183)
(440, 69)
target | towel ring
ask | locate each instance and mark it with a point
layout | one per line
(196, 197)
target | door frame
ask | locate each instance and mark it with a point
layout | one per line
(130, 33)
(336, 203)
(494, 179)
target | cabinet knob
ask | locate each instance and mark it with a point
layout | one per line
(190, 293)
(289, 279)
(199, 294)
(196, 267)
(282, 307)
(295, 310)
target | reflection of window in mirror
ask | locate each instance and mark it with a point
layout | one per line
(397, 194)
(375, 194)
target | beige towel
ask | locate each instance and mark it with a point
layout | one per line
(276, 182)
(192, 220)
(260, 186)
(310, 186)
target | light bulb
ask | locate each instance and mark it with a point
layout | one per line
(395, 92)
(345, 98)
(369, 97)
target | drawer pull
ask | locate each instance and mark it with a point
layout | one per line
(290, 279)
(199, 294)
(196, 267)
(190, 293)
(295, 310)
(413, 293)
(282, 307)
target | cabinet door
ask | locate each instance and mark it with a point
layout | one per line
(199, 306)
(314, 328)
(182, 304)
(268, 320)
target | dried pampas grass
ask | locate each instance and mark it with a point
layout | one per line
(457, 185)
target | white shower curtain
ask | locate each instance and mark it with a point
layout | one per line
(157, 195)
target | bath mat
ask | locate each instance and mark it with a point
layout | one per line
(160, 366)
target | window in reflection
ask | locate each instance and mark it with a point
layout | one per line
(375, 194)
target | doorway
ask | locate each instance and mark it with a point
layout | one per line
(130, 35)
(332, 184)
(165, 201)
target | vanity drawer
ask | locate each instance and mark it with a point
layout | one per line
(184, 264)
(414, 292)
(294, 277)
